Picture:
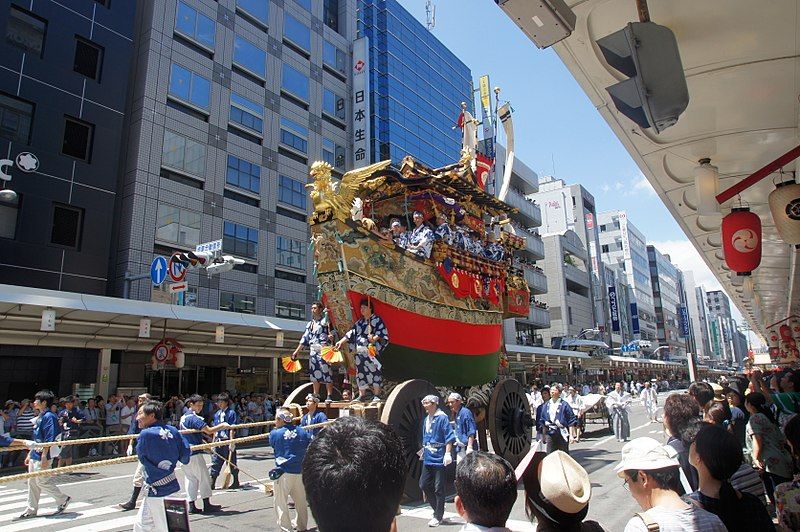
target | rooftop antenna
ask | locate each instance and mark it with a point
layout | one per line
(430, 14)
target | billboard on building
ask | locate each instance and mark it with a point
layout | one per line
(360, 107)
(613, 305)
(684, 314)
(635, 319)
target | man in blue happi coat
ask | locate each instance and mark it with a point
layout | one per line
(465, 427)
(316, 336)
(138, 475)
(45, 430)
(289, 444)
(196, 472)
(437, 448)
(443, 230)
(369, 331)
(225, 414)
(160, 447)
(314, 415)
(420, 239)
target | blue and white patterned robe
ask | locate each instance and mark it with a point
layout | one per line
(422, 237)
(401, 240)
(494, 251)
(314, 337)
(445, 233)
(368, 369)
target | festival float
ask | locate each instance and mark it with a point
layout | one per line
(444, 311)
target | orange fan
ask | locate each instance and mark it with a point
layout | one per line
(331, 355)
(291, 366)
(372, 350)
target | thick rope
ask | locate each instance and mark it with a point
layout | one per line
(124, 459)
(104, 439)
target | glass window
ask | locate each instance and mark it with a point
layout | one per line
(9, 209)
(189, 86)
(330, 14)
(178, 226)
(295, 311)
(184, 154)
(291, 192)
(295, 82)
(332, 153)
(67, 226)
(26, 31)
(237, 303)
(250, 56)
(258, 9)
(88, 58)
(333, 57)
(291, 253)
(294, 135)
(240, 240)
(77, 138)
(305, 4)
(332, 104)
(247, 113)
(243, 174)
(193, 24)
(16, 117)
(297, 32)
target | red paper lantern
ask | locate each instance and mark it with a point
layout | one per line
(785, 332)
(741, 240)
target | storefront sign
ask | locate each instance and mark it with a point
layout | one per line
(360, 107)
(614, 306)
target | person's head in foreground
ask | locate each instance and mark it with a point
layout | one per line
(486, 489)
(354, 473)
(557, 492)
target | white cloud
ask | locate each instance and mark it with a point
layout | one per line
(605, 188)
(641, 184)
(619, 185)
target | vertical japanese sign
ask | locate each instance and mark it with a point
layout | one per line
(635, 319)
(614, 307)
(684, 313)
(486, 109)
(360, 107)
(623, 228)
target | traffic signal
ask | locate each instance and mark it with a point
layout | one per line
(195, 258)
(223, 264)
(655, 94)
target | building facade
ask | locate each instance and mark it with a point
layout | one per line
(726, 344)
(618, 290)
(665, 279)
(232, 101)
(63, 89)
(623, 245)
(526, 222)
(572, 207)
(416, 85)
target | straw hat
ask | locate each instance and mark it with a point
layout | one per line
(562, 487)
(645, 454)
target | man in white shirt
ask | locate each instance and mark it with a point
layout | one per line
(127, 415)
(576, 403)
(649, 399)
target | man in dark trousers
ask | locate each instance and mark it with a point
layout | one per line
(437, 453)
(225, 414)
(160, 448)
(556, 418)
(138, 475)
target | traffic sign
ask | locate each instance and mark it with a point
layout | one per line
(213, 246)
(177, 269)
(158, 270)
(175, 288)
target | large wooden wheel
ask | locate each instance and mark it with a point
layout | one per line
(509, 421)
(403, 412)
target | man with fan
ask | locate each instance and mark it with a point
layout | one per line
(367, 338)
(316, 336)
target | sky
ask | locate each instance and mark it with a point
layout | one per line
(557, 130)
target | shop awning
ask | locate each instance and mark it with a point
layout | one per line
(99, 322)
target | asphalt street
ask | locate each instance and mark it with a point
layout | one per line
(96, 492)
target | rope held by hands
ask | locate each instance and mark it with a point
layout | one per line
(124, 459)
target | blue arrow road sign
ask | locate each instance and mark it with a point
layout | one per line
(158, 270)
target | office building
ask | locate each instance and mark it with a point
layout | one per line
(665, 279)
(62, 103)
(572, 208)
(527, 331)
(718, 304)
(416, 85)
(63, 87)
(698, 315)
(623, 245)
